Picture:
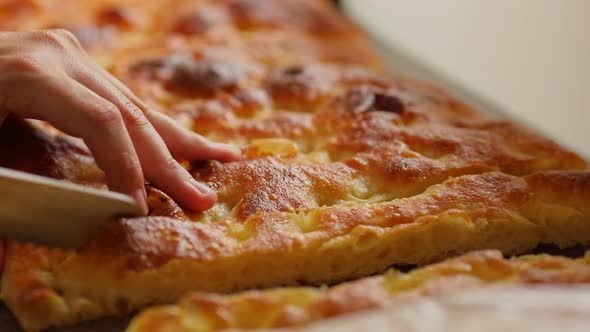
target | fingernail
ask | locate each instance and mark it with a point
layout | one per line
(141, 199)
(230, 148)
(203, 189)
(235, 150)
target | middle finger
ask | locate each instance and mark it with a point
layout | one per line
(156, 161)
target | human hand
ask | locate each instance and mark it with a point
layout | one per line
(46, 75)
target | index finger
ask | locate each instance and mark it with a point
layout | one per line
(78, 111)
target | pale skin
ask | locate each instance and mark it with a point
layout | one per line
(46, 75)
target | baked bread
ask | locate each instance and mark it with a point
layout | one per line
(347, 169)
(490, 309)
(297, 306)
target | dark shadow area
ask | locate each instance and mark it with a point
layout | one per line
(9, 324)
(573, 252)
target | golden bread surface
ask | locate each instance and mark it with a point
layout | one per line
(347, 170)
(296, 306)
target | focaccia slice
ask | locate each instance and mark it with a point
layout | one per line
(169, 257)
(285, 307)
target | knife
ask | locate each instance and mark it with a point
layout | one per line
(56, 213)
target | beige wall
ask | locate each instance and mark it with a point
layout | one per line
(531, 57)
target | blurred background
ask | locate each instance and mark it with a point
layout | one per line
(531, 58)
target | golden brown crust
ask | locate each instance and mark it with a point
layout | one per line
(33, 147)
(282, 307)
(170, 257)
(347, 170)
(476, 200)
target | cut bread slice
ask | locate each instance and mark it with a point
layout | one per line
(297, 306)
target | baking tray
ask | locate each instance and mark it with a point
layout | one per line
(399, 63)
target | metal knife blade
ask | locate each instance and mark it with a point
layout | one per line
(56, 213)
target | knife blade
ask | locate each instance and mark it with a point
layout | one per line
(56, 213)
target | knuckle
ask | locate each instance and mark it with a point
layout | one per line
(68, 37)
(171, 166)
(58, 38)
(129, 162)
(65, 34)
(48, 36)
(133, 116)
(105, 116)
